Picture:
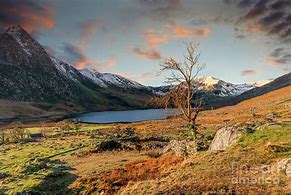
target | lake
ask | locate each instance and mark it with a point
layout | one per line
(125, 116)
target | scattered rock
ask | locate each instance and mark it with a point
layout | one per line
(225, 137)
(181, 148)
(284, 166)
(156, 138)
(271, 116)
(152, 145)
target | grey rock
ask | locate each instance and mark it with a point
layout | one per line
(225, 137)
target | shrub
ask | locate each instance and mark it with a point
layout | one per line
(17, 133)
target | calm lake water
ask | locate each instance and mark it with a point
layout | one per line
(125, 116)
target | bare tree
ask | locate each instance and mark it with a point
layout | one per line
(181, 79)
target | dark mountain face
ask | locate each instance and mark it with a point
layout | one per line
(27, 72)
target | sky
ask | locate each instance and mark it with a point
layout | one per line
(240, 40)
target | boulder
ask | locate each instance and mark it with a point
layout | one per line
(225, 137)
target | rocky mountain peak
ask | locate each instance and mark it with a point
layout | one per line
(23, 38)
(15, 30)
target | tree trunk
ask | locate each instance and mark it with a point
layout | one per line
(193, 130)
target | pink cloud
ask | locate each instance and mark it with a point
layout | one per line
(154, 38)
(109, 64)
(147, 53)
(184, 32)
(88, 30)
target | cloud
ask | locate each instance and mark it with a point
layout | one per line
(278, 57)
(271, 17)
(108, 65)
(248, 73)
(258, 9)
(184, 32)
(253, 29)
(147, 53)
(76, 56)
(245, 3)
(154, 38)
(31, 15)
(88, 30)
(281, 4)
(240, 37)
(161, 9)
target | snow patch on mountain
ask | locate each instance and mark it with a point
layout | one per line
(94, 76)
(108, 79)
(120, 81)
(260, 83)
(220, 87)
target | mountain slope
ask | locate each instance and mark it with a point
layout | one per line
(278, 83)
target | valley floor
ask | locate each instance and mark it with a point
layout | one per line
(74, 158)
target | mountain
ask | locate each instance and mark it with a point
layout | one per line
(216, 87)
(29, 74)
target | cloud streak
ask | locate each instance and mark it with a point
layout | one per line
(31, 15)
(278, 57)
(76, 56)
(248, 73)
(147, 53)
(88, 31)
(108, 65)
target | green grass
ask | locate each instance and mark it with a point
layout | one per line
(24, 174)
(269, 134)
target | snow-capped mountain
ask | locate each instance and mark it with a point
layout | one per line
(108, 79)
(217, 86)
(206, 84)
